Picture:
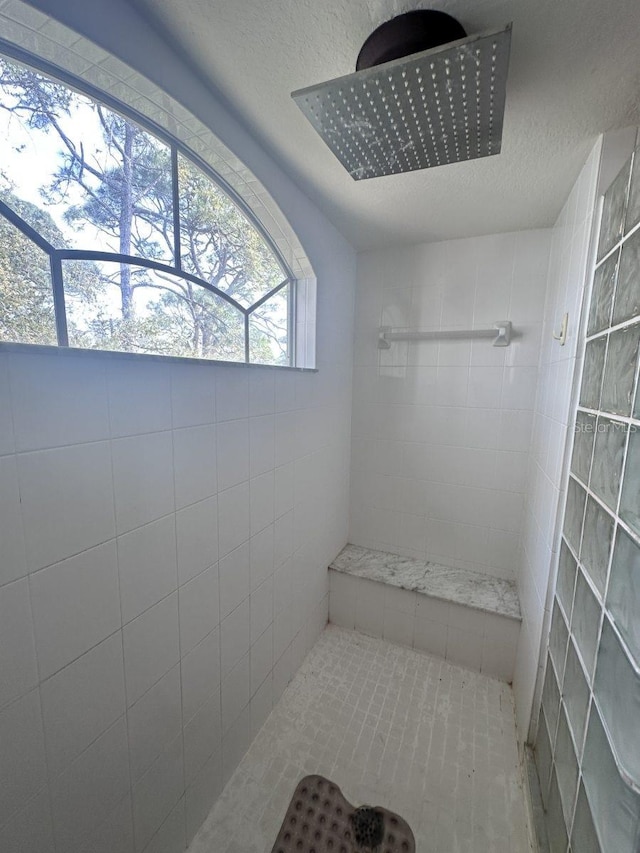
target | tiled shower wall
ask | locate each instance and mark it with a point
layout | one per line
(587, 748)
(165, 534)
(442, 429)
(569, 257)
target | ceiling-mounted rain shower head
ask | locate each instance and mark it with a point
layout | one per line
(398, 113)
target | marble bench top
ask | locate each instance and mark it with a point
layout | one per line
(461, 586)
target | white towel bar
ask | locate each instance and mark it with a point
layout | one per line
(501, 334)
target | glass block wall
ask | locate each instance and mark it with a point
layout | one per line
(588, 743)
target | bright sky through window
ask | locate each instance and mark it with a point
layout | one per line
(144, 251)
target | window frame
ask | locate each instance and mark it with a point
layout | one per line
(176, 147)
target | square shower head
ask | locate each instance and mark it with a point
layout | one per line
(431, 108)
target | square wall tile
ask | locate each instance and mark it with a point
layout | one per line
(202, 736)
(627, 300)
(22, 755)
(75, 605)
(262, 502)
(261, 609)
(199, 608)
(13, 564)
(197, 534)
(82, 701)
(233, 518)
(261, 444)
(31, 829)
(620, 369)
(154, 722)
(67, 501)
(236, 692)
(147, 566)
(151, 647)
(193, 395)
(172, 835)
(342, 600)
(235, 579)
(194, 460)
(139, 397)
(200, 674)
(369, 616)
(550, 701)
(90, 789)
(202, 794)
(7, 440)
(58, 401)
(18, 667)
(235, 636)
(157, 792)
(142, 479)
(232, 393)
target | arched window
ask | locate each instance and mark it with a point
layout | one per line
(116, 236)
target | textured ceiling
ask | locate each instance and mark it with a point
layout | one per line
(574, 73)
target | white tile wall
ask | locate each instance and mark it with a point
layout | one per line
(567, 274)
(143, 636)
(481, 641)
(98, 459)
(438, 470)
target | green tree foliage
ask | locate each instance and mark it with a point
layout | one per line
(121, 189)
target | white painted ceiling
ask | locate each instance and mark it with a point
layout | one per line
(574, 73)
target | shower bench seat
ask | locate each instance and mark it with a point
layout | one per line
(464, 616)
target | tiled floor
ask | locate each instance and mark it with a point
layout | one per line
(390, 726)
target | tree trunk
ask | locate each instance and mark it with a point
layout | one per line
(126, 216)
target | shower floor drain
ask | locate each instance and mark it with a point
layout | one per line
(320, 820)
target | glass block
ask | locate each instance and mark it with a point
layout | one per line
(633, 208)
(566, 578)
(617, 690)
(604, 282)
(566, 767)
(550, 700)
(630, 500)
(596, 543)
(542, 753)
(575, 695)
(574, 513)
(613, 211)
(592, 373)
(585, 622)
(623, 595)
(556, 827)
(627, 300)
(583, 835)
(558, 636)
(619, 372)
(606, 469)
(584, 434)
(614, 806)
